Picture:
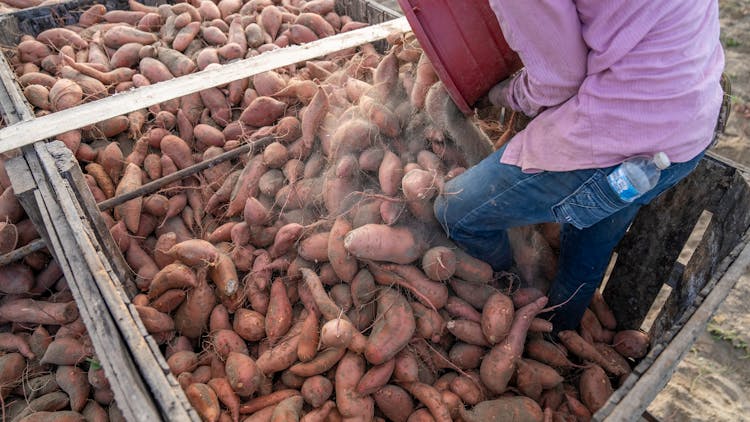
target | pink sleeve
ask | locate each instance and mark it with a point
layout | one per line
(546, 34)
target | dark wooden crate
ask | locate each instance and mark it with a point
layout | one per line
(34, 20)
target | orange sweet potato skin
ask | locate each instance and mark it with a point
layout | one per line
(393, 329)
(500, 364)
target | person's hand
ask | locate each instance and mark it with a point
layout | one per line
(498, 95)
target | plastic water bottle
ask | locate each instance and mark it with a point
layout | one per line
(637, 175)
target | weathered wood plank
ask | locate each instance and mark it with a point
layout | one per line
(169, 399)
(71, 172)
(23, 133)
(13, 103)
(27, 171)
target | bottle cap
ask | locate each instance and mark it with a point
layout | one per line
(661, 160)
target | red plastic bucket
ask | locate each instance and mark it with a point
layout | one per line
(464, 42)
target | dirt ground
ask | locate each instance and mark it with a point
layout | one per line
(713, 382)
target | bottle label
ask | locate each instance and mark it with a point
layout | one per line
(622, 186)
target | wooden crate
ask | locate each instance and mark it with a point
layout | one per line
(34, 20)
(648, 258)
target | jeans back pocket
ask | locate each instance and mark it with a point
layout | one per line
(589, 204)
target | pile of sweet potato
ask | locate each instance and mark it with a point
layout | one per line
(310, 279)
(114, 51)
(48, 368)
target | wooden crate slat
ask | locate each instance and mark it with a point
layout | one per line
(27, 132)
(109, 345)
(170, 399)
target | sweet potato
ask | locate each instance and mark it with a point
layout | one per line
(215, 101)
(532, 377)
(321, 363)
(461, 309)
(516, 408)
(243, 374)
(16, 278)
(247, 185)
(65, 94)
(182, 361)
(394, 402)
(155, 321)
(631, 344)
(226, 396)
(375, 378)
(497, 317)
(615, 359)
(339, 332)
(60, 37)
(262, 111)
(373, 241)
(283, 355)
(430, 293)
(119, 35)
(74, 382)
(278, 318)
(467, 389)
(37, 312)
(348, 373)
(356, 135)
(249, 324)
(192, 316)
(309, 338)
(204, 401)
(226, 342)
(10, 342)
(12, 367)
(262, 402)
(548, 353)
(66, 351)
(313, 117)
(315, 247)
(579, 347)
(172, 276)
(431, 398)
(468, 331)
(602, 311)
(466, 356)
(430, 324)
(319, 414)
(500, 363)
(224, 275)
(285, 238)
(130, 211)
(316, 390)
(195, 252)
(471, 269)
(439, 263)
(595, 388)
(288, 409)
(343, 264)
(393, 329)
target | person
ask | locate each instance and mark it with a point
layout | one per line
(604, 81)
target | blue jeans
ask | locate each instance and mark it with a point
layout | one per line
(479, 205)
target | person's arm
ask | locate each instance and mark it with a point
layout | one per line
(546, 34)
